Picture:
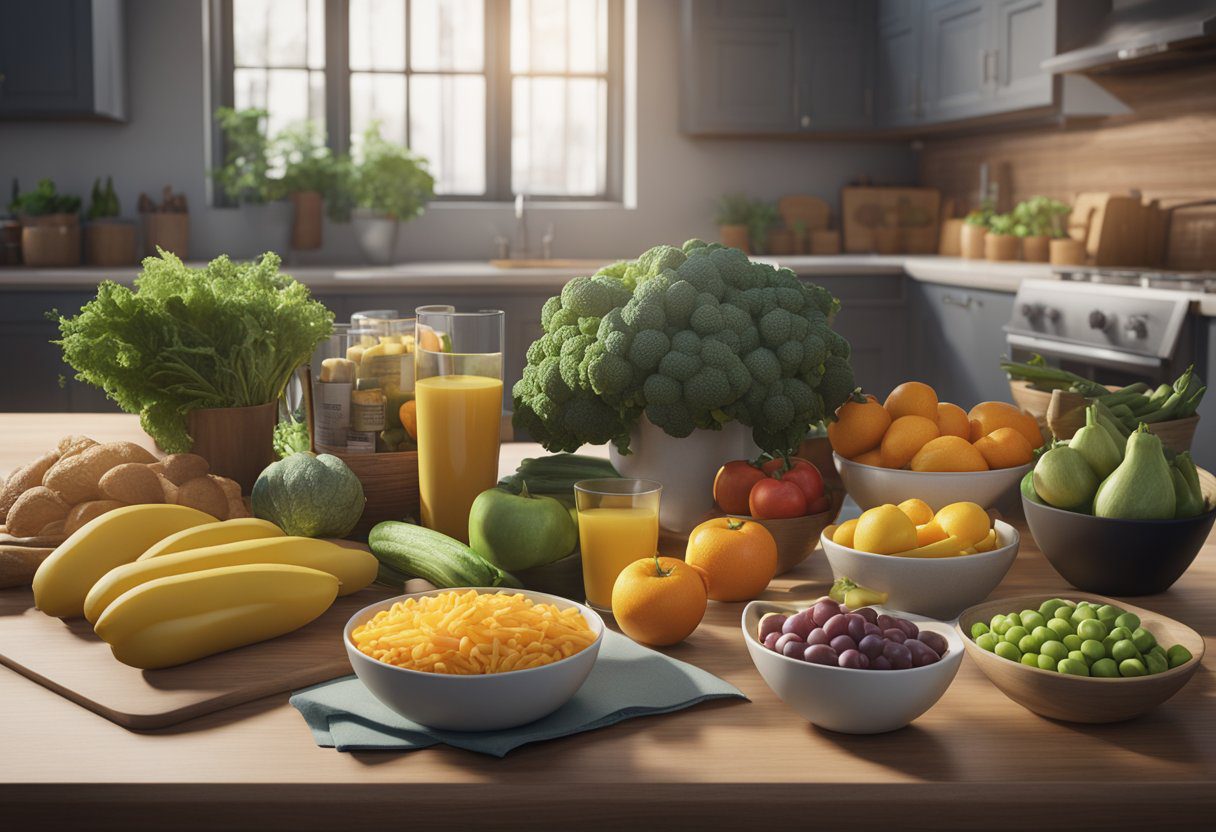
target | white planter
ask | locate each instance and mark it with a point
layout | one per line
(686, 467)
(377, 235)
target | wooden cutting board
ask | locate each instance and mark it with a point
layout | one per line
(811, 211)
(68, 658)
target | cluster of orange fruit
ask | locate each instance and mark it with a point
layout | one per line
(912, 429)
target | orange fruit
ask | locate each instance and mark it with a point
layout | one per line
(870, 457)
(408, 413)
(738, 557)
(884, 530)
(948, 453)
(952, 420)
(844, 533)
(918, 511)
(966, 521)
(912, 398)
(906, 436)
(988, 416)
(1005, 448)
(858, 427)
(658, 600)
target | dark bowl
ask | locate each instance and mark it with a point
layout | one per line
(1117, 557)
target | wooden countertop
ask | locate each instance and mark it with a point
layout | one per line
(974, 760)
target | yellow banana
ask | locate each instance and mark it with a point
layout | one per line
(354, 568)
(112, 539)
(181, 618)
(214, 534)
(949, 547)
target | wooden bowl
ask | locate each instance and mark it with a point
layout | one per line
(1032, 400)
(390, 484)
(1081, 698)
(1066, 416)
(797, 537)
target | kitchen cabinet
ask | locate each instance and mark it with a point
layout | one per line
(955, 58)
(874, 320)
(897, 63)
(1023, 37)
(1203, 446)
(776, 66)
(958, 340)
(62, 59)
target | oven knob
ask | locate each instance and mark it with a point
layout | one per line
(1136, 326)
(1032, 310)
(1053, 314)
(1097, 319)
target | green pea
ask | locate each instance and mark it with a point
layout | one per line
(1078, 656)
(1073, 667)
(1062, 628)
(1143, 639)
(979, 628)
(1045, 662)
(1055, 649)
(1124, 650)
(1108, 644)
(1105, 668)
(1120, 633)
(1092, 629)
(1082, 614)
(1014, 619)
(1030, 659)
(1108, 613)
(1048, 608)
(1132, 667)
(999, 624)
(1029, 644)
(987, 641)
(1064, 613)
(1129, 620)
(1044, 635)
(1093, 650)
(1178, 656)
(1032, 619)
(1008, 651)
(1156, 663)
(1015, 634)
(1158, 649)
(1072, 642)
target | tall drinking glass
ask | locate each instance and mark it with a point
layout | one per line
(458, 387)
(618, 523)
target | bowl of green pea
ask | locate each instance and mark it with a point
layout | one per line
(1080, 658)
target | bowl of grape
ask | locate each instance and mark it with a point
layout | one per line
(855, 671)
(1080, 658)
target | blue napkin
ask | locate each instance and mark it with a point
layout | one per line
(628, 681)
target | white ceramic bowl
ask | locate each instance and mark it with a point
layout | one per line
(491, 702)
(936, 587)
(853, 701)
(871, 486)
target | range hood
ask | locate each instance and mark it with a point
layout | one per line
(1139, 32)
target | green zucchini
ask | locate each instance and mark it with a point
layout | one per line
(416, 552)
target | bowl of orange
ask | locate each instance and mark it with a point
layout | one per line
(913, 446)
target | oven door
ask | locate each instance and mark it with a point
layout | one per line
(1097, 363)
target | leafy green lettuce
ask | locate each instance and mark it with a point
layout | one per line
(226, 335)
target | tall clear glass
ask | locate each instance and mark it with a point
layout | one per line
(458, 388)
(618, 523)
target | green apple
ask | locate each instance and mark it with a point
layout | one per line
(520, 531)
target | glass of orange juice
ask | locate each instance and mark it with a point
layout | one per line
(618, 523)
(458, 389)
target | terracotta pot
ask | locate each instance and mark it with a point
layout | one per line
(888, 240)
(10, 243)
(236, 441)
(1035, 249)
(168, 231)
(781, 241)
(1000, 247)
(825, 242)
(734, 236)
(306, 229)
(949, 242)
(971, 241)
(1067, 252)
(802, 242)
(110, 242)
(51, 245)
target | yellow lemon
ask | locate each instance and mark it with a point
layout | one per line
(884, 530)
(966, 521)
(930, 532)
(844, 533)
(918, 511)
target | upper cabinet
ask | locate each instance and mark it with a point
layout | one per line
(956, 58)
(62, 59)
(897, 78)
(776, 66)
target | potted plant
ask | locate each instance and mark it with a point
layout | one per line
(975, 229)
(310, 179)
(244, 179)
(1001, 241)
(391, 185)
(166, 224)
(732, 217)
(109, 241)
(1041, 220)
(802, 240)
(763, 216)
(50, 226)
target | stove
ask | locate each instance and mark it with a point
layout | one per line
(1202, 282)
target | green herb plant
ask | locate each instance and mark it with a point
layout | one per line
(1003, 224)
(44, 200)
(310, 165)
(104, 202)
(226, 335)
(389, 179)
(733, 209)
(245, 175)
(1041, 216)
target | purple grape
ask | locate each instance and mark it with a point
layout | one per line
(842, 643)
(784, 639)
(873, 629)
(865, 661)
(922, 654)
(837, 625)
(770, 640)
(824, 610)
(880, 663)
(771, 622)
(935, 640)
(820, 654)
(817, 636)
(851, 659)
(822, 598)
(898, 655)
(844, 609)
(799, 624)
(910, 629)
(793, 649)
(871, 645)
(857, 626)
(868, 613)
(885, 621)
(895, 634)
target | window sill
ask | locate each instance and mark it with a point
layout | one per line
(533, 205)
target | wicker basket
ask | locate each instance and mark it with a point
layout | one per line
(1066, 415)
(1032, 400)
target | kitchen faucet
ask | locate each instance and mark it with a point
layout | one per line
(519, 245)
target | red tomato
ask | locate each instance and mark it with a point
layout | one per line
(774, 499)
(733, 483)
(819, 506)
(802, 473)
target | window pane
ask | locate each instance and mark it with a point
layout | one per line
(588, 42)
(447, 34)
(377, 34)
(538, 36)
(559, 136)
(270, 32)
(377, 98)
(316, 34)
(448, 127)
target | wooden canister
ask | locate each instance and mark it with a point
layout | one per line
(949, 243)
(824, 241)
(110, 243)
(971, 241)
(51, 244)
(1067, 252)
(238, 442)
(1000, 247)
(734, 236)
(306, 229)
(1035, 249)
(170, 231)
(781, 241)
(888, 240)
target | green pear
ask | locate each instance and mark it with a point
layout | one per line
(1095, 444)
(1141, 488)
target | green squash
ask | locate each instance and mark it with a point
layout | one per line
(309, 496)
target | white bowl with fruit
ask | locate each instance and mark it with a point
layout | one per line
(864, 671)
(950, 560)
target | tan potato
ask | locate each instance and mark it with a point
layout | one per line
(19, 563)
(23, 479)
(82, 513)
(33, 510)
(157, 468)
(181, 468)
(132, 483)
(74, 444)
(205, 495)
(55, 527)
(167, 488)
(76, 478)
(232, 493)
